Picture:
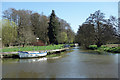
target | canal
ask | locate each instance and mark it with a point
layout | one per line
(76, 64)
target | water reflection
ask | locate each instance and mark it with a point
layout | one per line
(76, 64)
(96, 52)
(32, 60)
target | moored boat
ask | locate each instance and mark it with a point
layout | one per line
(31, 54)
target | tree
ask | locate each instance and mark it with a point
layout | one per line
(23, 21)
(0, 33)
(35, 21)
(62, 37)
(24, 27)
(9, 32)
(101, 27)
(85, 35)
(97, 30)
(70, 35)
(64, 26)
(11, 14)
(43, 28)
(32, 25)
(39, 26)
(53, 28)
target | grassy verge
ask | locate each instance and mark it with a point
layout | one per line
(105, 48)
(58, 54)
(31, 48)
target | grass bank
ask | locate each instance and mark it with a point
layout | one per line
(35, 48)
(105, 48)
(58, 54)
(32, 48)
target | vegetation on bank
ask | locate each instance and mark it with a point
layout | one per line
(24, 27)
(35, 48)
(105, 48)
(32, 48)
(99, 30)
(50, 54)
(58, 54)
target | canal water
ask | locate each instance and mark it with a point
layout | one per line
(76, 64)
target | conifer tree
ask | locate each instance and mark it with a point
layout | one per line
(53, 28)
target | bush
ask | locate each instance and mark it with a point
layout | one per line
(72, 45)
(93, 47)
(112, 49)
(105, 48)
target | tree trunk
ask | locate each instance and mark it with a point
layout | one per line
(99, 44)
(23, 45)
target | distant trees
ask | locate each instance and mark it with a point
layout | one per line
(0, 28)
(59, 31)
(53, 28)
(22, 20)
(70, 35)
(25, 35)
(32, 25)
(43, 32)
(119, 30)
(9, 32)
(66, 29)
(62, 37)
(85, 35)
(96, 30)
(39, 26)
(23, 26)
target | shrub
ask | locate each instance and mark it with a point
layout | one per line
(93, 47)
(113, 49)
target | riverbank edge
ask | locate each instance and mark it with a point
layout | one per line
(105, 49)
(16, 55)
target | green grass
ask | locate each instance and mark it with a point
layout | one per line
(112, 49)
(72, 45)
(58, 54)
(105, 48)
(31, 48)
(93, 47)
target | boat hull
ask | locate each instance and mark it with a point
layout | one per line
(32, 54)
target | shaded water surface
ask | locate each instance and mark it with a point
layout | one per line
(76, 64)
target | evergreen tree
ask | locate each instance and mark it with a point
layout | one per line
(53, 28)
